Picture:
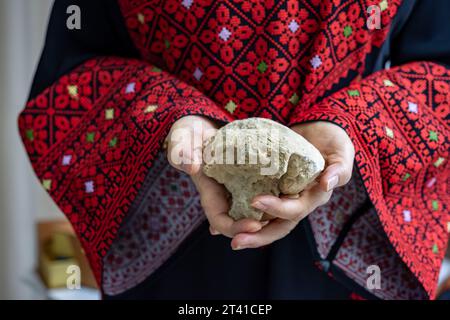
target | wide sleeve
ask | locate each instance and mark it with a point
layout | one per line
(96, 118)
(398, 120)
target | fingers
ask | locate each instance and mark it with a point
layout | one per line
(182, 151)
(285, 208)
(221, 223)
(291, 208)
(213, 231)
(185, 143)
(336, 147)
(225, 225)
(274, 231)
(289, 211)
(183, 158)
(214, 200)
(335, 175)
(338, 171)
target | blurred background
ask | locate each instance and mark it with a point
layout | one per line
(25, 207)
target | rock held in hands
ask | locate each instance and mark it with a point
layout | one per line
(259, 156)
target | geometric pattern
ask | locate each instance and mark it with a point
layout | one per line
(258, 58)
(402, 156)
(168, 208)
(93, 135)
(109, 157)
(164, 213)
(364, 245)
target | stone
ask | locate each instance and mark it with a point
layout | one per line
(259, 156)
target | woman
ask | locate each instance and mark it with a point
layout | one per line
(107, 96)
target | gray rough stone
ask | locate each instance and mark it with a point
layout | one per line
(295, 162)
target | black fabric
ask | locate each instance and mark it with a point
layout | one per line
(206, 268)
(380, 56)
(102, 32)
(426, 34)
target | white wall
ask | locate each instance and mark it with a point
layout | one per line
(22, 201)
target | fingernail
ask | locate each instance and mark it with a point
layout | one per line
(259, 205)
(332, 182)
(237, 248)
(213, 232)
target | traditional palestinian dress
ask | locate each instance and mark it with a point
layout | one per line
(105, 97)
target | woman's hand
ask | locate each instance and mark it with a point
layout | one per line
(184, 152)
(338, 151)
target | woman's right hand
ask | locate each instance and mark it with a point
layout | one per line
(184, 152)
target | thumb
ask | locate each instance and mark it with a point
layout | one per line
(184, 149)
(335, 175)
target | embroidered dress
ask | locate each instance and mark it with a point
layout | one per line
(105, 97)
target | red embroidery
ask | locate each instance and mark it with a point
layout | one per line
(401, 145)
(109, 157)
(252, 58)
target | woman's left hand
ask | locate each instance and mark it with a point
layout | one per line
(338, 152)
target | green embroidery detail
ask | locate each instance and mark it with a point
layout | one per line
(383, 5)
(173, 187)
(347, 31)
(262, 67)
(353, 93)
(113, 142)
(388, 83)
(230, 106)
(435, 205)
(150, 108)
(109, 114)
(47, 184)
(167, 43)
(141, 18)
(73, 90)
(30, 134)
(294, 99)
(156, 69)
(389, 133)
(435, 249)
(406, 177)
(90, 136)
(433, 136)
(438, 162)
